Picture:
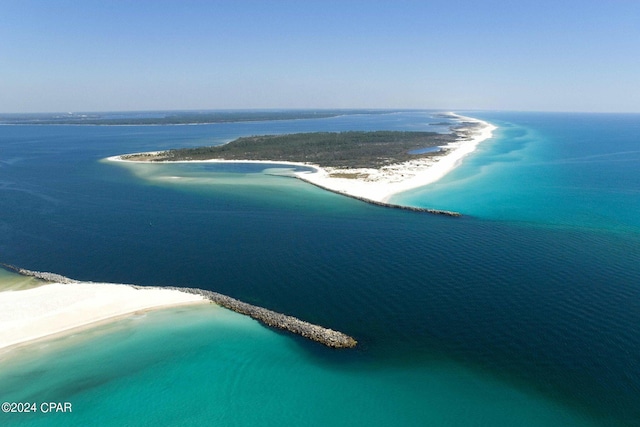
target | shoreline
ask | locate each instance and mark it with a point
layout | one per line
(378, 186)
(382, 184)
(57, 309)
(67, 306)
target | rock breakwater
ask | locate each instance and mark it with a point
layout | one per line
(320, 334)
(326, 336)
(43, 275)
(384, 204)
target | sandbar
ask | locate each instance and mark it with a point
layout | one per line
(52, 309)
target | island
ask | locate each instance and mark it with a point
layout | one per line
(369, 166)
(338, 150)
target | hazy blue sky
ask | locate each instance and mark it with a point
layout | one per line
(137, 55)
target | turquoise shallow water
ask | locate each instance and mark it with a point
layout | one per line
(523, 312)
(211, 365)
(553, 169)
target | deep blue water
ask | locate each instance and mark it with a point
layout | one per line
(526, 311)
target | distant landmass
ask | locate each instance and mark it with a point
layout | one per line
(354, 149)
(173, 117)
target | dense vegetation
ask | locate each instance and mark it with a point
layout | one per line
(327, 149)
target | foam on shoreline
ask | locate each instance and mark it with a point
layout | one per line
(378, 185)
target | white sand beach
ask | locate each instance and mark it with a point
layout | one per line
(379, 185)
(51, 309)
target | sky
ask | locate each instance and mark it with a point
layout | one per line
(71, 56)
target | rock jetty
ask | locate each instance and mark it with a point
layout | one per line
(48, 277)
(320, 334)
(326, 336)
(386, 205)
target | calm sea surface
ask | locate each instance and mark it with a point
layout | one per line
(524, 312)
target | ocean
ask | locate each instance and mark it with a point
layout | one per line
(523, 312)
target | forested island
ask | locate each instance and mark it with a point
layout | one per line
(371, 166)
(353, 149)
